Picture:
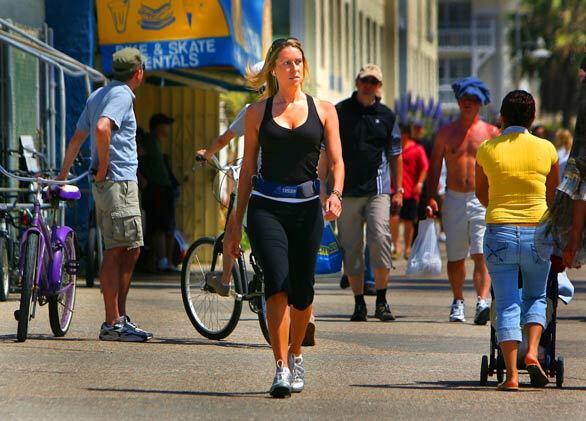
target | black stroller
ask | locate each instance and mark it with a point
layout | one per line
(553, 367)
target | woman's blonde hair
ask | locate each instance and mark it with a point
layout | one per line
(265, 78)
(563, 137)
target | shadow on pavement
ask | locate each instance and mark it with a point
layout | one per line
(346, 317)
(574, 318)
(468, 385)
(12, 338)
(179, 392)
(181, 341)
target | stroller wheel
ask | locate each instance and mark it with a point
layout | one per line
(484, 371)
(559, 372)
(500, 374)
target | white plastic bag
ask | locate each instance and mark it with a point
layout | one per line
(425, 254)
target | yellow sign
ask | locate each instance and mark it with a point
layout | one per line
(130, 21)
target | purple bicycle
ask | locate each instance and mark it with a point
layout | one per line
(48, 260)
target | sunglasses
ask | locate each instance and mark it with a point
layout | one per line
(282, 41)
(370, 80)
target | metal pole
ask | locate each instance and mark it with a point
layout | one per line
(52, 111)
(63, 118)
(10, 134)
(46, 110)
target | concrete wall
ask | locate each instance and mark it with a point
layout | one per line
(25, 12)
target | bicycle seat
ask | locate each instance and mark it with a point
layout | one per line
(66, 192)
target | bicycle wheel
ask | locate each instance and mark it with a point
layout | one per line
(29, 272)
(212, 315)
(4, 270)
(95, 255)
(258, 304)
(262, 318)
(61, 304)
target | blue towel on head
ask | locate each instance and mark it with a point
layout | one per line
(471, 86)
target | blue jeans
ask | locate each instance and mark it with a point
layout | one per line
(509, 250)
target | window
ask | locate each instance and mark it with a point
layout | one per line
(321, 4)
(375, 43)
(454, 15)
(368, 41)
(429, 19)
(360, 39)
(349, 38)
(451, 69)
(333, 41)
(281, 28)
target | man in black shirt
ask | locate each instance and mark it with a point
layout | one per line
(371, 142)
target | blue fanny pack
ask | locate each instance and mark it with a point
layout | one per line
(301, 191)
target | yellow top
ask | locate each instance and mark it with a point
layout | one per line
(517, 165)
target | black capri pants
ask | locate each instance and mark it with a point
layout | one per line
(285, 238)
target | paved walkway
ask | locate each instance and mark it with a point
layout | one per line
(419, 367)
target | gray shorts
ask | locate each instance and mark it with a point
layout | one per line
(374, 211)
(118, 213)
(464, 224)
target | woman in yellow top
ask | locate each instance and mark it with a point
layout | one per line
(516, 179)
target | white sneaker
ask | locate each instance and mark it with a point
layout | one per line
(297, 373)
(281, 387)
(457, 311)
(482, 315)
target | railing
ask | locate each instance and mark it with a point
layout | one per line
(475, 36)
(446, 95)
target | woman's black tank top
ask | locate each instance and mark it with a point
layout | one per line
(290, 156)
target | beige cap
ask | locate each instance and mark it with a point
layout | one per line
(126, 60)
(370, 70)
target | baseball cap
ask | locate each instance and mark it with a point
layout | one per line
(160, 118)
(126, 60)
(370, 70)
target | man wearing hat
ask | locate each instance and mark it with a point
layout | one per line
(160, 189)
(371, 147)
(108, 118)
(462, 213)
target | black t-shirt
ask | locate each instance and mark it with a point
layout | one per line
(370, 136)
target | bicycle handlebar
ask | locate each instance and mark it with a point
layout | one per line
(214, 162)
(41, 180)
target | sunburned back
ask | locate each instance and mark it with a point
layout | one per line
(461, 143)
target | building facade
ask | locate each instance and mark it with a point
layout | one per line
(473, 42)
(339, 36)
(417, 39)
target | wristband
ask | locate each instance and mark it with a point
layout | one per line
(337, 194)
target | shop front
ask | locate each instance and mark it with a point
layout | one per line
(194, 51)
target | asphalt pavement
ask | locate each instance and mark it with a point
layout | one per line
(418, 367)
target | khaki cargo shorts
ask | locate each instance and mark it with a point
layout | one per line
(118, 213)
(374, 211)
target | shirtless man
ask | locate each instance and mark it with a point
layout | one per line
(462, 213)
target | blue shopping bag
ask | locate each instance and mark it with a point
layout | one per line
(329, 256)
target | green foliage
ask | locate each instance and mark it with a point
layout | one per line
(561, 24)
(235, 101)
(245, 242)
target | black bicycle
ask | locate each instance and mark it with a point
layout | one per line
(215, 316)
(94, 250)
(9, 248)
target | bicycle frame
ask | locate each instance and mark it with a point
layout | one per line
(51, 244)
